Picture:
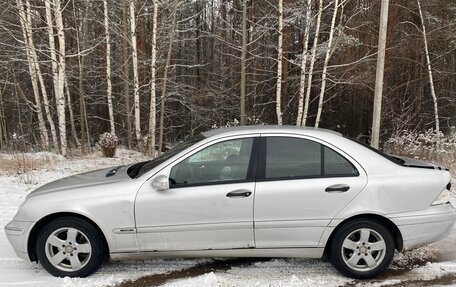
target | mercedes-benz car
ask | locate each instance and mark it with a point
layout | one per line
(258, 191)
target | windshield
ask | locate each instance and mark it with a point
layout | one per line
(141, 168)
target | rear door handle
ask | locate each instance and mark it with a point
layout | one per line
(337, 188)
(239, 193)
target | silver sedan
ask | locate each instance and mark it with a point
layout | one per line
(240, 192)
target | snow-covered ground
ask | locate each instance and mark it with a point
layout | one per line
(433, 265)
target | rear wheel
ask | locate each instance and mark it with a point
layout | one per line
(70, 246)
(362, 249)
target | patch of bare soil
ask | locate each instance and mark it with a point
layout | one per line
(200, 269)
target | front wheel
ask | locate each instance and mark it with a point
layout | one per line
(362, 249)
(71, 247)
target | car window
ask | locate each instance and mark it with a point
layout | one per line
(292, 157)
(335, 164)
(225, 161)
(288, 157)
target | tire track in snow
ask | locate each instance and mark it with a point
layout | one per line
(200, 269)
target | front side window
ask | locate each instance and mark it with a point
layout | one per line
(288, 157)
(221, 162)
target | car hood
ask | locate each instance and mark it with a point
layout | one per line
(91, 178)
(411, 162)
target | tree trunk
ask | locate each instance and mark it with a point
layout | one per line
(70, 110)
(325, 64)
(165, 77)
(222, 43)
(60, 96)
(302, 80)
(376, 117)
(134, 54)
(286, 41)
(126, 72)
(108, 68)
(243, 56)
(3, 131)
(82, 117)
(255, 61)
(27, 33)
(429, 69)
(312, 63)
(279, 66)
(153, 111)
(38, 69)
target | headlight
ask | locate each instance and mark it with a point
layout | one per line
(443, 197)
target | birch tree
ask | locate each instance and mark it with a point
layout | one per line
(152, 110)
(302, 80)
(134, 55)
(126, 71)
(52, 52)
(325, 64)
(60, 96)
(108, 68)
(81, 63)
(279, 65)
(165, 76)
(429, 68)
(312, 63)
(27, 34)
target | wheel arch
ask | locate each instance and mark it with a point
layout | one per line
(40, 224)
(395, 232)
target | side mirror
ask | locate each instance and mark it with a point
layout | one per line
(160, 183)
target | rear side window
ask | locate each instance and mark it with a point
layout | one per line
(335, 164)
(292, 157)
(288, 157)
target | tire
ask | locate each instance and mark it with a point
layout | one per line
(362, 249)
(69, 246)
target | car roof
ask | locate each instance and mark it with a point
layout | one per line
(268, 129)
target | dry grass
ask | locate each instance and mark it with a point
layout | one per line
(20, 163)
(429, 145)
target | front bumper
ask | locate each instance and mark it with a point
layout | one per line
(419, 228)
(17, 233)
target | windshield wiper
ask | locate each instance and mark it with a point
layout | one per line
(134, 170)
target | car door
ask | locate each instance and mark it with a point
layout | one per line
(209, 204)
(302, 184)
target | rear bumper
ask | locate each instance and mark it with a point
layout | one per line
(17, 233)
(419, 228)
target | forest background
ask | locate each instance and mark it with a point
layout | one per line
(156, 72)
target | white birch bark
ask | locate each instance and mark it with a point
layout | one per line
(50, 29)
(325, 64)
(60, 96)
(153, 101)
(302, 80)
(429, 69)
(134, 54)
(27, 33)
(108, 68)
(312, 63)
(279, 66)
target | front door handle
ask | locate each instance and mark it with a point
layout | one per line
(337, 188)
(239, 193)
